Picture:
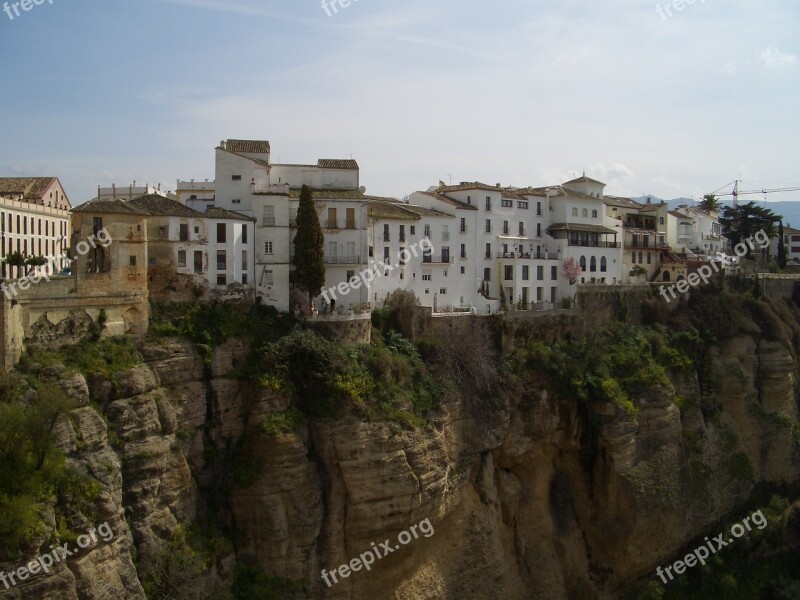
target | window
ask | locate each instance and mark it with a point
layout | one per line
(222, 279)
(386, 253)
(521, 228)
(488, 203)
(582, 262)
(151, 261)
(198, 261)
(463, 251)
(640, 258)
(244, 260)
(269, 277)
(540, 273)
(132, 261)
(488, 226)
(506, 203)
(445, 234)
(402, 255)
(649, 259)
(222, 260)
(442, 291)
(237, 201)
(463, 225)
(268, 248)
(509, 273)
(538, 209)
(222, 236)
(351, 275)
(487, 274)
(584, 213)
(386, 236)
(633, 258)
(402, 233)
(522, 204)
(538, 230)
(488, 251)
(603, 264)
(660, 220)
(554, 272)
(244, 234)
(427, 275)
(593, 264)
(574, 212)
(197, 230)
(525, 273)
(594, 214)
(445, 254)
(181, 258)
(184, 233)
(269, 216)
(463, 270)
(505, 227)
(244, 278)
(412, 229)
(427, 231)
(236, 178)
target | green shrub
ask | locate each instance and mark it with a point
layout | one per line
(251, 583)
(283, 422)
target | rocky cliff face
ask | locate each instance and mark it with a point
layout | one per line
(527, 501)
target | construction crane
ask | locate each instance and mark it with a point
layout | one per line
(737, 192)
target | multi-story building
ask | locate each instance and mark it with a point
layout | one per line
(791, 241)
(131, 191)
(34, 221)
(707, 237)
(188, 250)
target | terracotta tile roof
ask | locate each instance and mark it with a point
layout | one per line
(467, 185)
(332, 163)
(214, 212)
(390, 210)
(158, 206)
(31, 188)
(584, 179)
(451, 201)
(621, 202)
(247, 146)
(108, 207)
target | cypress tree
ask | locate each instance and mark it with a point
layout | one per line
(781, 248)
(309, 242)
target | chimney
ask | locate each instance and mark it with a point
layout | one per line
(114, 191)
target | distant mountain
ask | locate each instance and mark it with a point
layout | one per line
(788, 209)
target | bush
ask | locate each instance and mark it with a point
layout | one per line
(251, 583)
(283, 422)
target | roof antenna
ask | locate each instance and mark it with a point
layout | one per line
(450, 175)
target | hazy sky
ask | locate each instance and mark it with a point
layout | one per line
(523, 92)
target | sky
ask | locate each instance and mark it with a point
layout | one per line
(668, 99)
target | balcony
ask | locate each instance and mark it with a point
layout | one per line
(528, 255)
(593, 244)
(440, 259)
(646, 244)
(342, 260)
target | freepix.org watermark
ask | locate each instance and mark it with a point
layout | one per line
(665, 12)
(706, 271)
(367, 559)
(12, 8)
(102, 238)
(377, 270)
(702, 553)
(333, 5)
(58, 554)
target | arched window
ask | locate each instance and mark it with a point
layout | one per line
(603, 265)
(665, 277)
(633, 258)
(649, 259)
(574, 212)
(584, 213)
(583, 263)
(640, 258)
(593, 264)
(594, 214)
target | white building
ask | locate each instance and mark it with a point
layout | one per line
(34, 221)
(707, 237)
(791, 241)
(198, 195)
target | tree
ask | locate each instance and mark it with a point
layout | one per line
(15, 259)
(739, 223)
(781, 247)
(709, 204)
(572, 270)
(309, 247)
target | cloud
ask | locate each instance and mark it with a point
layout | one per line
(609, 173)
(775, 60)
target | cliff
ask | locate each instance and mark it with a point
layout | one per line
(536, 486)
